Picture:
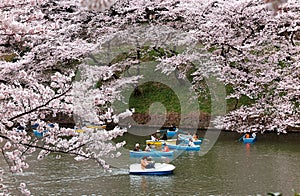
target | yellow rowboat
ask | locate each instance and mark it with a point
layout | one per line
(161, 142)
(156, 143)
(96, 126)
(79, 130)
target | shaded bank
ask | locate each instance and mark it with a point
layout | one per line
(202, 121)
(199, 121)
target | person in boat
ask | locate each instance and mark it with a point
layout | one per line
(148, 148)
(173, 128)
(253, 135)
(164, 137)
(153, 137)
(191, 143)
(166, 148)
(195, 137)
(147, 163)
(137, 147)
(247, 135)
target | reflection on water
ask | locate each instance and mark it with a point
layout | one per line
(230, 168)
(149, 184)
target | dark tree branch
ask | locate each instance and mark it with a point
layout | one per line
(43, 105)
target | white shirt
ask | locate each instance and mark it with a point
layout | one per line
(147, 148)
(153, 138)
(191, 143)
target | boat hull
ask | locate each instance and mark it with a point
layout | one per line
(160, 169)
(197, 142)
(171, 141)
(186, 138)
(249, 140)
(154, 153)
(171, 133)
(156, 143)
(39, 134)
(184, 147)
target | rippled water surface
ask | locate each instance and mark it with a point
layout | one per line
(272, 164)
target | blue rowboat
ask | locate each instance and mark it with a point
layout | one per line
(169, 133)
(185, 139)
(153, 153)
(39, 134)
(249, 140)
(172, 133)
(184, 147)
(197, 142)
(35, 126)
(184, 136)
(159, 169)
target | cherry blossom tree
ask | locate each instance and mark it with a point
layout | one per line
(257, 54)
(43, 45)
(252, 47)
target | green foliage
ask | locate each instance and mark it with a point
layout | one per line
(157, 92)
(283, 64)
(152, 92)
(146, 94)
(8, 57)
(205, 102)
(212, 49)
(234, 103)
(295, 192)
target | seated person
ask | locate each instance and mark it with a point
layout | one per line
(147, 163)
(253, 135)
(173, 128)
(153, 137)
(137, 147)
(191, 143)
(247, 135)
(195, 137)
(151, 163)
(148, 148)
(166, 148)
(164, 137)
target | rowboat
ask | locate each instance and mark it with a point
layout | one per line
(96, 126)
(171, 141)
(39, 134)
(79, 130)
(186, 138)
(197, 142)
(152, 153)
(159, 169)
(183, 141)
(156, 143)
(249, 140)
(172, 133)
(184, 147)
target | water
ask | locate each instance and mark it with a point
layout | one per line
(272, 164)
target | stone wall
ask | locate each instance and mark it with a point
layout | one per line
(200, 121)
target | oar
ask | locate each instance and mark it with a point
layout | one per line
(241, 139)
